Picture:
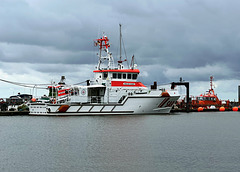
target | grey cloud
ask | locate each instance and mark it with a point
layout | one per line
(175, 36)
(37, 54)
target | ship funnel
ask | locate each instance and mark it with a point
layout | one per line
(154, 86)
(62, 81)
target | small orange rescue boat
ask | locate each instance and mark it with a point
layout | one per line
(209, 100)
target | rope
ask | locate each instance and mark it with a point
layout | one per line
(80, 83)
(25, 84)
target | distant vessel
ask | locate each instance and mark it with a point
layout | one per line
(114, 90)
(209, 100)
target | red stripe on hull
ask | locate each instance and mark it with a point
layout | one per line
(63, 92)
(163, 102)
(63, 108)
(126, 84)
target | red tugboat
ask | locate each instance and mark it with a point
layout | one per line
(209, 100)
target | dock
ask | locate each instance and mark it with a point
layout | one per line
(14, 113)
(196, 110)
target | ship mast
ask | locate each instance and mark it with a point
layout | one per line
(120, 66)
(103, 46)
(120, 43)
(211, 85)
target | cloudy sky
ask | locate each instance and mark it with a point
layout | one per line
(41, 40)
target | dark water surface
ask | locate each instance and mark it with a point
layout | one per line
(183, 142)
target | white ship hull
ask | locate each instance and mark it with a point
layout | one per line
(131, 106)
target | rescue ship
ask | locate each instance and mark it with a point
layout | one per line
(209, 100)
(114, 90)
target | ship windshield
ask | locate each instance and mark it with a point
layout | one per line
(129, 76)
(119, 76)
(213, 98)
(134, 76)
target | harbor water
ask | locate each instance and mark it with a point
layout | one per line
(183, 142)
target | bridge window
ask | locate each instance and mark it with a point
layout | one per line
(213, 98)
(129, 76)
(119, 76)
(105, 75)
(114, 75)
(134, 76)
(124, 76)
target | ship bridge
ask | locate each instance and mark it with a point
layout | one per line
(118, 77)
